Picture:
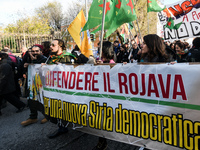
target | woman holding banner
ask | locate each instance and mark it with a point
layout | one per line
(181, 52)
(153, 49)
(107, 57)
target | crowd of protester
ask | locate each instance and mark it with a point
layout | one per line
(174, 52)
(152, 48)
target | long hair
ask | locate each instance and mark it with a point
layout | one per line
(46, 45)
(61, 43)
(180, 44)
(107, 50)
(156, 47)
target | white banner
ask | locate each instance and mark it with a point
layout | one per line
(185, 11)
(154, 106)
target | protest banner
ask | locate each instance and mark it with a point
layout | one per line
(186, 12)
(155, 106)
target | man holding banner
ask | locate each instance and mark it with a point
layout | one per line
(58, 56)
(36, 57)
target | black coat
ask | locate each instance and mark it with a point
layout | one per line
(81, 59)
(122, 56)
(7, 84)
(184, 58)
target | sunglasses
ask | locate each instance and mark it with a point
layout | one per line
(35, 51)
(53, 45)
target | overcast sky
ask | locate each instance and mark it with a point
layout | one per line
(11, 10)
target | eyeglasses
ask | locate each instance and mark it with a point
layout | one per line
(35, 51)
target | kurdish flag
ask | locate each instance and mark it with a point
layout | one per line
(118, 12)
(152, 5)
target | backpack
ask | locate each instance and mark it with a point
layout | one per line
(18, 66)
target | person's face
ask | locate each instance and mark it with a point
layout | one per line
(35, 51)
(54, 46)
(178, 49)
(116, 44)
(172, 46)
(134, 45)
(145, 49)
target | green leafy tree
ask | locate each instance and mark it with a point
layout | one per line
(30, 25)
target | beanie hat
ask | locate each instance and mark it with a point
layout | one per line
(38, 45)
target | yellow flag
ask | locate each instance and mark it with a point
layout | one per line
(81, 40)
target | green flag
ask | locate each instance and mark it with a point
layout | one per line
(152, 5)
(170, 24)
(109, 18)
(124, 13)
(96, 13)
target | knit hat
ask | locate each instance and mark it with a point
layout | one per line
(40, 46)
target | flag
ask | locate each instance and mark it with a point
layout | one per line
(152, 5)
(75, 29)
(124, 13)
(170, 24)
(109, 18)
(96, 13)
(86, 47)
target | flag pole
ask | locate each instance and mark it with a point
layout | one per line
(134, 40)
(135, 28)
(139, 30)
(86, 10)
(148, 21)
(133, 37)
(102, 28)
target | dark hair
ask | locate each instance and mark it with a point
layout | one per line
(171, 45)
(196, 42)
(107, 50)
(61, 43)
(156, 47)
(3, 55)
(116, 41)
(46, 44)
(180, 44)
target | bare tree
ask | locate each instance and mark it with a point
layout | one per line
(52, 12)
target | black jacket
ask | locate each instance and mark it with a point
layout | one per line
(122, 56)
(183, 58)
(7, 84)
(80, 58)
(194, 55)
(40, 59)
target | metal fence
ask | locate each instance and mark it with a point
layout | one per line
(17, 41)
